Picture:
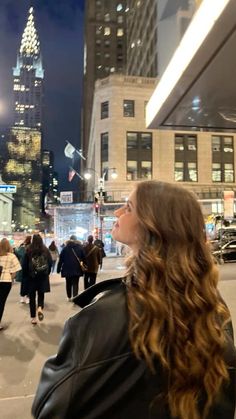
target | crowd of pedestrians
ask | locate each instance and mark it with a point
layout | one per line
(32, 262)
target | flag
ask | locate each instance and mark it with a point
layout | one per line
(69, 150)
(71, 174)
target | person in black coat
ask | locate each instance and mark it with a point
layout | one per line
(158, 343)
(69, 265)
(36, 277)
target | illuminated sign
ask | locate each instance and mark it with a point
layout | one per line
(7, 188)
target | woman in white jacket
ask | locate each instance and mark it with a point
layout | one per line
(9, 265)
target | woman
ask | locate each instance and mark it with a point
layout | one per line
(37, 265)
(157, 344)
(69, 265)
(54, 254)
(20, 253)
(9, 265)
(93, 260)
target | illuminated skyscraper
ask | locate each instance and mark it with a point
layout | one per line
(23, 166)
(28, 78)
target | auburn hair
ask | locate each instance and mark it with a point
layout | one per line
(5, 247)
(173, 300)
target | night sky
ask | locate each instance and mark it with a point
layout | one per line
(60, 27)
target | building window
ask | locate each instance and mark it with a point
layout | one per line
(222, 158)
(186, 158)
(107, 31)
(139, 155)
(216, 172)
(120, 19)
(119, 7)
(107, 43)
(132, 172)
(128, 108)
(120, 32)
(179, 171)
(107, 17)
(132, 140)
(104, 153)
(146, 170)
(104, 110)
(228, 172)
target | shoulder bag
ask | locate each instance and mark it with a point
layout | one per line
(82, 264)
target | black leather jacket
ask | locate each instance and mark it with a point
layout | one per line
(95, 374)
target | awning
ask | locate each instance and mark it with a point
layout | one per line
(198, 88)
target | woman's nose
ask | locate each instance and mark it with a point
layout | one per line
(119, 211)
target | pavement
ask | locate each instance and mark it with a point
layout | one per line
(24, 348)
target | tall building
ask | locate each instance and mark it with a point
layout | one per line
(154, 29)
(28, 78)
(50, 180)
(104, 50)
(22, 165)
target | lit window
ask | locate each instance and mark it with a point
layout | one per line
(216, 172)
(192, 171)
(107, 17)
(228, 145)
(146, 170)
(132, 170)
(107, 55)
(98, 30)
(229, 172)
(119, 7)
(112, 69)
(120, 32)
(128, 108)
(133, 45)
(107, 31)
(179, 171)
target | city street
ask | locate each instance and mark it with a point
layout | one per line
(24, 348)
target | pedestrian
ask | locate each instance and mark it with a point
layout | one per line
(54, 254)
(157, 343)
(9, 266)
(93, 260)
(69, 266)
(99, 243)
(20, 253)
(36, 267)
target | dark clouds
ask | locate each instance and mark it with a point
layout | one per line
(60, 27)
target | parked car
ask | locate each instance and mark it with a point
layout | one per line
(227, 253)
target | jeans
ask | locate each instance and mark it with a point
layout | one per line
(32, 302)
(5, 288)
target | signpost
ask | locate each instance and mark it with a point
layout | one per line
(7, 188)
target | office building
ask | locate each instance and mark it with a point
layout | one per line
(104, 50)
(22, 166)
(50, 193)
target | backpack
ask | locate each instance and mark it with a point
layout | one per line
(39, 265)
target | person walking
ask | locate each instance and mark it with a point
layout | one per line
(36, 268)
(54, 254)
(9, 266)
(93, 260)
(20, 253)
(69, 266)
(157, 343)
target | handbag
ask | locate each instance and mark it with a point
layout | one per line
(84, 267)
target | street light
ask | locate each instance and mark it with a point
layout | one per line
(100, 190)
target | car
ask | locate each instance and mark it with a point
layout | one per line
(227, 253)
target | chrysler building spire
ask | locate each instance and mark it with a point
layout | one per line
(30, 44)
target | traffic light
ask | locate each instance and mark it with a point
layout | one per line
(96, 205)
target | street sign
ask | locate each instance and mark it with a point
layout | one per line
(7, 188)
(66, 197)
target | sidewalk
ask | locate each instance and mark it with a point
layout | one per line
(24, 348)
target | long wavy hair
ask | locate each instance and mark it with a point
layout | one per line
(173, 300)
